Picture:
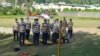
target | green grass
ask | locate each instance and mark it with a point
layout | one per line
(82, 44)
(91, 10)
(7, 46)
(73, 10)
(10, 16)
(1, 0)
(7, 21)
(79, 10)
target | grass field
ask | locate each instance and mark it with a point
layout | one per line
(82, 44)
(7, 21)
(79, 10)
(7, 46)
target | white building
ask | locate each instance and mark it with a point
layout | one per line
(98, 8)
(44, 6)
(92, 7)
(5, 4)
(63, 6)
(37, 6)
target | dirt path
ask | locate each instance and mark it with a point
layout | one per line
(89, 30)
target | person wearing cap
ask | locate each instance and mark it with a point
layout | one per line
(55, 31)
(16, 29)
(70, 29)
(44, 32)
(28, 27)
(36, 31)
(22, 30)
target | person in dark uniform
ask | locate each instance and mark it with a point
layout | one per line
(22, 30)
(44, 32)
(28, 27)
(55, 31)
(16, 29)
(36, 31)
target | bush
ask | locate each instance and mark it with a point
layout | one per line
(36, 11)
(10, 11)
(4, 10)
(66, 10)
(91, 10)
(53, 12)
(79, 10)
(17, 11)
(70, 10)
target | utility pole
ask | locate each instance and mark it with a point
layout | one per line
(59, 40)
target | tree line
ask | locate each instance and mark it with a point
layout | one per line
(67, 1)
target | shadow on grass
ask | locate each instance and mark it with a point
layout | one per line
(7, 46)
(98, 27)
(4, 36)
(5, 43)
(82, 44)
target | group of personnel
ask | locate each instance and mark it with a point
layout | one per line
(21, 30)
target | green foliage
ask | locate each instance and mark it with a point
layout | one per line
(53, 12)
(86, 10)
(37, 11)
(10, 11)
(67, 1)
(91, 10)
(4, 10)
(70, 10)
(17, 11)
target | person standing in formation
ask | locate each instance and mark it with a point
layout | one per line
(22, 30)
(36, 31)
(16, 29)
(44, 32)
(63, 29)
(28, 27)
(70, 29)
(55, 31)
(49, 28)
